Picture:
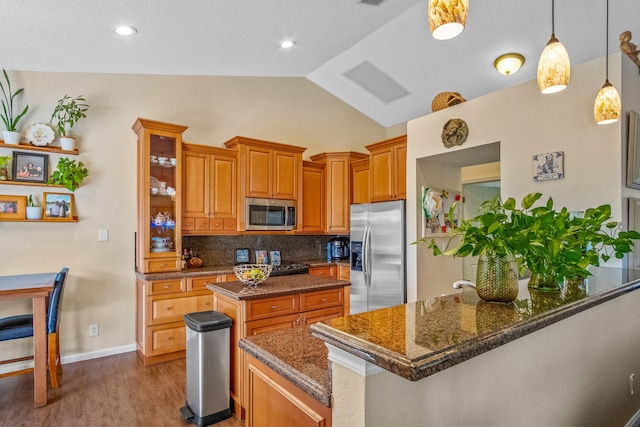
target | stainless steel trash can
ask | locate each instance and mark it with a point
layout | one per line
(208, 368)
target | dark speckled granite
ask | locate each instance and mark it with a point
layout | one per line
(297, 356)
(419, 339)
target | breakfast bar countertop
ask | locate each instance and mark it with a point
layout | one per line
(419, 339)
(277, 286)
(296, 355)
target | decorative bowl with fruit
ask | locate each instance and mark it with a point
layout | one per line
(252, 274)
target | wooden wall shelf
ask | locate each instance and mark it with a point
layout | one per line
(74, 219)
(31, 184)
(29, 147)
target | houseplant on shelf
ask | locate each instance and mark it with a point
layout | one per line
(553, 245)
(11, 135)
(66, 114)
(68, 173)
(33, 211)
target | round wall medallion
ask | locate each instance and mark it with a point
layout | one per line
(454, 132)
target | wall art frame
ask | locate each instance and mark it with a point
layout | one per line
(548, 166)
(633, 151)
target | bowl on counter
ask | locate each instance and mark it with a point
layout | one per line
(252, 274)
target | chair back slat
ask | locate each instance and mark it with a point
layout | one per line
(54, 301)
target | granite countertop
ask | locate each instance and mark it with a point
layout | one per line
(297, 356)
(277, 286)
(419, 339)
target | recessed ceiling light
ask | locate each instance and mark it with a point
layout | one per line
(124, 30)
(287, 44)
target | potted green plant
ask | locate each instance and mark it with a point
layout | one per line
(68, 173)
(11, 135)
(33, 210)
(66, 114)
(553, 245)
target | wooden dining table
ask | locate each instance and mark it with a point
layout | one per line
(36, 287)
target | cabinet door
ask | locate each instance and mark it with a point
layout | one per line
(279, 323)
(360, 182)
(400, 173)
(223, 184)
(196, 185)
(339, 200)
(258, 173)
(313, 197)
(382, 182)
(285, 175)
(344, 273)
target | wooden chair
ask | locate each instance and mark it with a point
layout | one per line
(21, 326)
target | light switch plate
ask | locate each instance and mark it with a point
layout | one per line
(103, 235)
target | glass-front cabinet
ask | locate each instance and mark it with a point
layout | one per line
(158, 240)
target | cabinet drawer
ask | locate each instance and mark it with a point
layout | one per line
(166, 286)
(321, 299)
(279, 323)
(173, 309)
(270, 307)
(161, 265)
(167, 340)
(199, 283)
(202, 224)
(322, 271)
(188, 224)
(216, 224)
(230, 224)
(311, 317)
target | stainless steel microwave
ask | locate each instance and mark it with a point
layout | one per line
(271, 214)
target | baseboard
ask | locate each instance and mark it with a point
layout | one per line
(634, 421)
(72, 358)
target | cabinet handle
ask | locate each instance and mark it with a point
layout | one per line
(298, 321)
(169, 308)
(163, 264)
(304, 320)
(273, 307)
(166, 286)
(323, 300)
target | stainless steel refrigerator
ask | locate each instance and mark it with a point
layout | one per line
(378, 248)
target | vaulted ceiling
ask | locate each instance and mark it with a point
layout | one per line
(332, 37)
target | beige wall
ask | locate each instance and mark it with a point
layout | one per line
(100, 288)
(525, 123)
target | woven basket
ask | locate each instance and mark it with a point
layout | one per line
(446, 99)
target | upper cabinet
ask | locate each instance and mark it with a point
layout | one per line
(388, 169)
(338, 188)
(360, 181)
(209, 196)
(266, 170)
(159, 183)
(313, 197)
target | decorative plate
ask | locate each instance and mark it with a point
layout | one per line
(39, 134)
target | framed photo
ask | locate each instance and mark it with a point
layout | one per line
(261, 257)
(242, 256)
(633, 152)
(58, 206)
(13, 207)
(29, 167)
(275, 257)
(548, 166)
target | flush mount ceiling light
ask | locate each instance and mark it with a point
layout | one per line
(607, 106)
(447, 18)
(508, 63)
(287, 44)
(124, 30)
(554, 68)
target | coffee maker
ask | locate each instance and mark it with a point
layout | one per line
(338, 249)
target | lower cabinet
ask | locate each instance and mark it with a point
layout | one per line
(328, 271)
(274, 401)
(260, 316)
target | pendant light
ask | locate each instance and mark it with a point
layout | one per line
(447, 18)
(607, 106)
(554, 68)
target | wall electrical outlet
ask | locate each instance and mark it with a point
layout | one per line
(632, 377)
(94, 330)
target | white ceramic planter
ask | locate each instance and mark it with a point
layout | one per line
(67, 143)
(34, 212)
(11, 137)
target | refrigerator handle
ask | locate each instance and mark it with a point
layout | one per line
(365, 256)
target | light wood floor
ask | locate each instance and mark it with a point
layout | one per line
(111, 391)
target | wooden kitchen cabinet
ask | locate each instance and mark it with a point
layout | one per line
(360, 182)
(209, 190)
(159, 215)
(388, 169)
(338, 188)
(313, 197)
(267, 170)
(344, 273)
(328, 271)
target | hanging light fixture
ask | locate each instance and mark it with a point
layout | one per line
(508, 63)
(554, 68)
(607, 106)
(447, 18)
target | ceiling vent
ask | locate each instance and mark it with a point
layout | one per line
(376, 82)
(371, 2)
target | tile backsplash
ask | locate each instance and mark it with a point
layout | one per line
(221, 250)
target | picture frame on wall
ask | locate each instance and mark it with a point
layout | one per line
(548, 166)
(30, 167)
(13, 207)
(633, 151)
(58, 206)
